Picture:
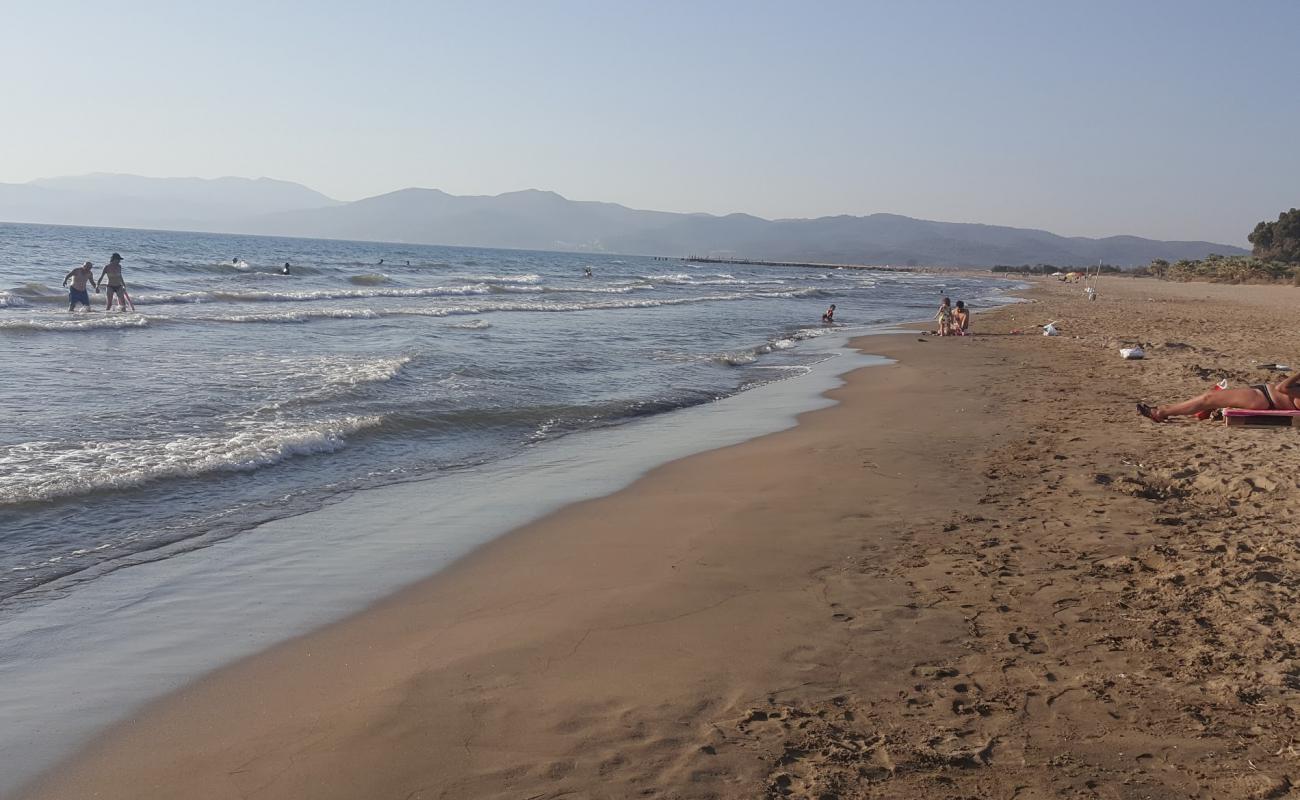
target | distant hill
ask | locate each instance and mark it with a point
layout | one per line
(131, 201)
(539, 220)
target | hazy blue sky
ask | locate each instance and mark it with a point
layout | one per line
(1167, 119)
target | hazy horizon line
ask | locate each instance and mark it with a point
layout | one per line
(606, 202)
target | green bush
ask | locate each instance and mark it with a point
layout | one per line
(1226, 269)
(1278, 241)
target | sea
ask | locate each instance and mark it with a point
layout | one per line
(233, 401)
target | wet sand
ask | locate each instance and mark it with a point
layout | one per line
(980, 575)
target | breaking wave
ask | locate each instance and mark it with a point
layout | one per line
(742, 358)
(44, 470)
(83, 322)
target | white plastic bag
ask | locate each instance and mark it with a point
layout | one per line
(1132, 353)
(1050, 330)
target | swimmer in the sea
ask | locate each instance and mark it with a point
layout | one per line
(77, 295)
(112, 273)
(829, 316)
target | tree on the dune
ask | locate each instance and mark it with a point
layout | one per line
(1278, 241)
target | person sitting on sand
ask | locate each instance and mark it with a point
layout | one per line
(945, 317)
(829, 316)
(77, 295)
(961, 319)
(1281, 396)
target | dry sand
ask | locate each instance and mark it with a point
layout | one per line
(980, 575)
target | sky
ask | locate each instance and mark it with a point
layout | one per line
(1175, 120)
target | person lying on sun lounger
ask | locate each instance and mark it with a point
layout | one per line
(1282, 396)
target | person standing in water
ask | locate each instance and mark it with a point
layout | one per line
(829, 316)
(77, 295)
(285, 271)
(112, 272)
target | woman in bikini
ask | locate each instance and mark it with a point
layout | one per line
(1281, 396)
(111, 276)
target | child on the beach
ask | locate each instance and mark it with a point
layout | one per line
(945, 317)
(961, 319)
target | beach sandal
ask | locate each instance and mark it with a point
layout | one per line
(1150, 413)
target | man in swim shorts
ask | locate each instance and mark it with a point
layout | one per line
(116, 286)
(80, 277)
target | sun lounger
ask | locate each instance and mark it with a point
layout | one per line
(1261, 419)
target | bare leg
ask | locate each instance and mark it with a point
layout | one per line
(1213, 401)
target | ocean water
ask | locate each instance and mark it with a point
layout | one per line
(234, 395)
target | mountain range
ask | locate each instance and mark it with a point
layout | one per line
(541, 220)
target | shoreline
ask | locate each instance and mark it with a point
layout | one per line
(978, 573)
(204, 606)
(486, 565)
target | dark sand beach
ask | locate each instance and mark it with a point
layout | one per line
(980, 574)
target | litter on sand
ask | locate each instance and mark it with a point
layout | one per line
(1050, 329)
(1132, 353)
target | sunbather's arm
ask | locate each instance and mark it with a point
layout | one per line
(1286, 384)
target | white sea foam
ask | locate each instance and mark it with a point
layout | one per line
(525, 278)
(746, 357)
(599, 289)
(309, 295)
(807, 291)
(8, 300)
(484, 307)
(284, 316)
(594, 305)
(317, 374)
(473, 325)
(352, 372)
(738, 359)
(90, 322)
(42, 470)
(709, 279)
(81, 322)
